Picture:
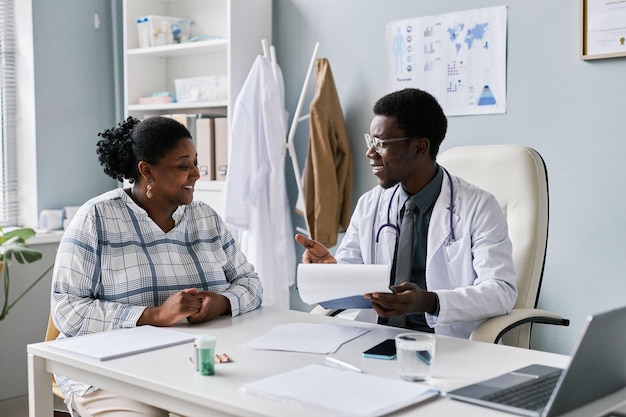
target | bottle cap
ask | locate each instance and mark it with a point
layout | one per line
(206, 342)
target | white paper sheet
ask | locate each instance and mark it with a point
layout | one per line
(341, 285)
(123, 342)
(341, 393)
(305, 337)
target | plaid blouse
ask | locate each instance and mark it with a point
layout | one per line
(114, 261)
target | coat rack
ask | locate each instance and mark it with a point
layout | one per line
(288, 146)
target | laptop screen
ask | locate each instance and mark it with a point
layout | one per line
(597, 369)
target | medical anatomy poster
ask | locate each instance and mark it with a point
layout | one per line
(460, 58)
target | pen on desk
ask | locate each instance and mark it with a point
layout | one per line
(342, 364)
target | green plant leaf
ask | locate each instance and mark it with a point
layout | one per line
(15, 248)
(24, 233)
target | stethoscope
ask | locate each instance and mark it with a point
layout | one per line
(395, 227)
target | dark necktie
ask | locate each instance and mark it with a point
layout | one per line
(404, 257)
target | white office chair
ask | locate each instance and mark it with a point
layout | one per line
(516, 175)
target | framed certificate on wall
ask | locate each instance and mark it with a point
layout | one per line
(603, 29)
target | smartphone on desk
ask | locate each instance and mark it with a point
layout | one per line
(384, 350)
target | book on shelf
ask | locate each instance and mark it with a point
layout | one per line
(205, 146)
(221, 148)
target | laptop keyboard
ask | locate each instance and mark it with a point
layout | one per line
(532, 395)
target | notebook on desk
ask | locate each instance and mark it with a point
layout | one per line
(597, 369)
(117, 343)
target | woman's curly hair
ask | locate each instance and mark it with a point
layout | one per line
(123, 146)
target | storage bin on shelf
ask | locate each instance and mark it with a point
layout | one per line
(201, 89)
(155, 30)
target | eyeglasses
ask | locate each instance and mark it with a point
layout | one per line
(378, 143)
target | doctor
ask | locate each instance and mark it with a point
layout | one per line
(461, 268)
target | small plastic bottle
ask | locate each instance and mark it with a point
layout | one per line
(143, 32)
(196, 360)
(176, 32)
(206, 354)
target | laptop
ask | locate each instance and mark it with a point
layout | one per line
(597, 369)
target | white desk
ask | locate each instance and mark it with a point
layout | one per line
(167, 379)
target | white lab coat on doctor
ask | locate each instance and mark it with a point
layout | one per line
(473, 276)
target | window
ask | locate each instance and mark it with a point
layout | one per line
(9, 207)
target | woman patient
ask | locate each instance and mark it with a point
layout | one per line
(147, 254)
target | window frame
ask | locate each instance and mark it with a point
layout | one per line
(21, 160)
(9, 208)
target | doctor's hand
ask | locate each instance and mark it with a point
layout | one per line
(406, 298)
(315, 252)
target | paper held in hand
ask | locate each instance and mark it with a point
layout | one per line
(341, 285)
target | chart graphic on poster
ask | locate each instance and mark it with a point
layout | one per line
(458, 57)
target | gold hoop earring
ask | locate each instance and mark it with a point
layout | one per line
(149, 193)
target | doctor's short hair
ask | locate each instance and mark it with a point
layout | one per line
(123, 146)
(417, 114)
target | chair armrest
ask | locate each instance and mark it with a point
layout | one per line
(319, 310)
(491, 330)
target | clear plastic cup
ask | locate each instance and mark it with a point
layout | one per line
(416, 356)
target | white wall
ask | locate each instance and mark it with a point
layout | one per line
(571, 111)
(26, 322)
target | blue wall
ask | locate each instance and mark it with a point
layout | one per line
(571, 111)
(74, 98)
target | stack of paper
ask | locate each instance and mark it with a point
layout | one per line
(305, 337)
(338, 392)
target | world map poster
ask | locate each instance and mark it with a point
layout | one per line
(460, 58)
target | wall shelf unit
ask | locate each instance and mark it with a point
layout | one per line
(235, 29)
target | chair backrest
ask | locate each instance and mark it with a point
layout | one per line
(516, 175)
(51, 334)
(51, 331)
